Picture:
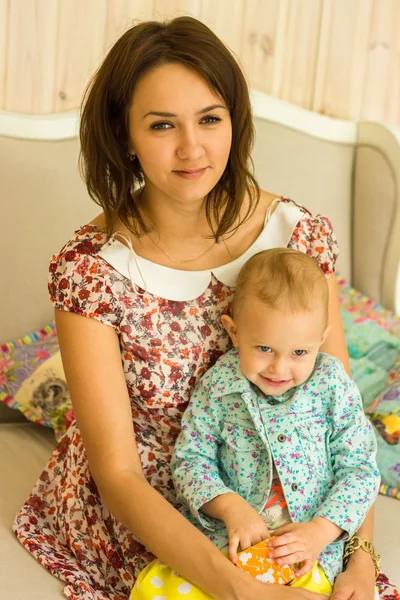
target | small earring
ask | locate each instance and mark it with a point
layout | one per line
(131, 157)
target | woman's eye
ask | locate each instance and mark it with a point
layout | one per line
(300, 352)
(163, 126)
(210, 120)
(265, 348)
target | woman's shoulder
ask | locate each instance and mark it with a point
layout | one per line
(87, 240)
(80, 281)
(314, 235)
(289, 223)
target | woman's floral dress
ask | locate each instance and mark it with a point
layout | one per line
(170, 332)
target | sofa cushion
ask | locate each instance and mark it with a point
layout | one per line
(24, 450)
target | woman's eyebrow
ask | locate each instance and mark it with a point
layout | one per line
(168, 114)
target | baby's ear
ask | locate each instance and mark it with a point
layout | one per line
(230, 327)
(326, 333)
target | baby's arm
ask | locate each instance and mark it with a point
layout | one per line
(197, 477)
(352, 448)
(244, 525)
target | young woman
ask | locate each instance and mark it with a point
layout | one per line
(166, 136)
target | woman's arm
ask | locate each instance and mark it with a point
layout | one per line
(335, 343)
(92, 363)
(356, 583)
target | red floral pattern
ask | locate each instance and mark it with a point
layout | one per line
(165, 346)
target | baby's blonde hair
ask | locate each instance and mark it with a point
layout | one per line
(283, 279)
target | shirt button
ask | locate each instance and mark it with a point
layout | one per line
(273, 402)
(295, 487)
(281, 437)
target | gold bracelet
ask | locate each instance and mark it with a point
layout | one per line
(355, 543)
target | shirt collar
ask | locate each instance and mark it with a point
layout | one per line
(184, 286)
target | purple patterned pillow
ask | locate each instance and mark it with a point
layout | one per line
(32, 379)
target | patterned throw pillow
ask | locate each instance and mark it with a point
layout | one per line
(384, 414)
(32, 380)
(373, 340)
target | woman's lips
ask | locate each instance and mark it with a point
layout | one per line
(191, 174)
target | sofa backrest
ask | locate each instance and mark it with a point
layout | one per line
(314, 160)
(348, 171)
(42, 200)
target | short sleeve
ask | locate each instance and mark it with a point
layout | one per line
(79, 282)
(315, 236)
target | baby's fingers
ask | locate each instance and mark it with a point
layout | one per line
(306, 568)
(291, 558)
(281, 540)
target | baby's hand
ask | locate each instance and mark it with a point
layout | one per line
(245, 527)
(302, 543)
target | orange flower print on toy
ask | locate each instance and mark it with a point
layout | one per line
(255, 561)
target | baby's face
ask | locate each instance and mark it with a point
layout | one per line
(277, 349)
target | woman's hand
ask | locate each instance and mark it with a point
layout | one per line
(250, 588)
(357, 581)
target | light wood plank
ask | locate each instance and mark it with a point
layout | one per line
(342, 57)
(3, 48)
(32, 38)
(382, 82)
(300, 52)
(80, 49)
(168, 9)
(259, 42)
(230, 31)
(121, 15)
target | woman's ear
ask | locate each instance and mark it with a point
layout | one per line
(230, 327)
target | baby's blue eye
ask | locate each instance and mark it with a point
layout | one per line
(300, 352)
(265, 348)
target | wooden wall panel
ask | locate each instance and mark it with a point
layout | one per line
(337, 57)
(32, 40)
(164, 9)
(4, 12)
(121, 15)
(342, 57)
(300, 52)
(259, 49)
(214, 15)
(381, 94)
(80, 49)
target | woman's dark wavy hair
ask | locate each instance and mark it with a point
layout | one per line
(104, 131)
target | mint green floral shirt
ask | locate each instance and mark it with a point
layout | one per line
(317, 435)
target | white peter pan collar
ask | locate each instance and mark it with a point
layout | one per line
(183, 286)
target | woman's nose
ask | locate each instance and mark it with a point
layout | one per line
(190, 146)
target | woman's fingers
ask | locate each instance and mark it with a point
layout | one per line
(273, 591)
(312, 595)
(232, 550)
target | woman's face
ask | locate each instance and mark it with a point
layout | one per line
(181, 132)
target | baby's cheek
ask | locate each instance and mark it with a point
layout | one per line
(303, 372)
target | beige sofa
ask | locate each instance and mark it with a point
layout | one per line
(349, 171)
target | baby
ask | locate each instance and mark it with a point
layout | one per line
(274, 440)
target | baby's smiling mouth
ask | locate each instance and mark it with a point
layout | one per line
(275, 381)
